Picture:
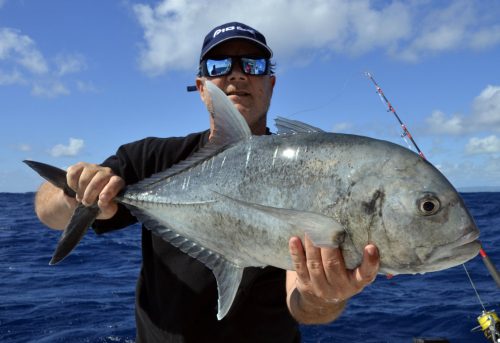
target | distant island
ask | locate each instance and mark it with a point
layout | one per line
(479, 189)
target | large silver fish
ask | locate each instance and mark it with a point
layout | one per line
(236, 203)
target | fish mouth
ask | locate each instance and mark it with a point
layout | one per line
(453, 253)
(432, 259)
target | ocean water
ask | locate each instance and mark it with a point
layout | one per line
(90, 296)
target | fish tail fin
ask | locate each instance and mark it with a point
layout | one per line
(82, 217)
(52, 174)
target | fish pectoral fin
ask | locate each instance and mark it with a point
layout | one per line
(323, 231)
(82, 218)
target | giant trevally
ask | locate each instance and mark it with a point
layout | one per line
(236, 203)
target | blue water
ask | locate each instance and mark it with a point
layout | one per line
(90, 296)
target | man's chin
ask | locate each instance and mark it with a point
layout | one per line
(243, 110)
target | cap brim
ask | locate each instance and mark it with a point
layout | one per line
(260, 44)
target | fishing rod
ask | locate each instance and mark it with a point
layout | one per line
(489, 321)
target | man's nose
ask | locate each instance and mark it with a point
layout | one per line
(237, 73)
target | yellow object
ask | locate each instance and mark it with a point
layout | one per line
(487, 319)
(490, 324)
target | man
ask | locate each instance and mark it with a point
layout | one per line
(176, 298)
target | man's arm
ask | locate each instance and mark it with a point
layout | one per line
(53, 207)
(320, 286)
(91, 182)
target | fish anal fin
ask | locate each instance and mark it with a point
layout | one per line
(227, 274)
(228, 277)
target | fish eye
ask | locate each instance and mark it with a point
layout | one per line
(429, 205)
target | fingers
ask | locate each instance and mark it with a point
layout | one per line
(93, 183)
(299, 259)
(106, 204)
(334, 266)
(321, 272)
(315, 265)
(367, 271)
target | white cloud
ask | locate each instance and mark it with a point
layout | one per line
(49, 89)
(342, 127)
(487, 145)
(173, 30)
(73, 149)
(24, 147)
(486, 108)
(69, 64)
(13, 77)
(21, 50)
(438, 122)
(23, 64)
(485, 38)
(485, 116)
(86, 87)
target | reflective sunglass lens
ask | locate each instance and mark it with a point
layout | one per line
(254, 66)
(218, 67)
(222, 66)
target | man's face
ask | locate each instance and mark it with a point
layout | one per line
(250, 94)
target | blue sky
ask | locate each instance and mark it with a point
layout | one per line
(79, 78)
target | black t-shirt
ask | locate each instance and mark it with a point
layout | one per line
(176, 296)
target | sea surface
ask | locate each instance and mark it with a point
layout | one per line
(90, 296)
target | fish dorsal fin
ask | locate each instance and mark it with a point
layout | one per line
(227, 274)
(229, 125)
(323, 231)
(287, 126)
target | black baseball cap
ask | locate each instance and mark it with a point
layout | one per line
(230, 31)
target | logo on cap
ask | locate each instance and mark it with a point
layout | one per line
(231, 28)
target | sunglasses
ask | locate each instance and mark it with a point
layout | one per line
(219, 66)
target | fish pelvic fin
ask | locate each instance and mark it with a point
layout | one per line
(323, 231)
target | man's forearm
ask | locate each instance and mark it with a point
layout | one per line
(52, 207)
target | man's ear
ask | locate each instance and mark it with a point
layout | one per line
(200, 85)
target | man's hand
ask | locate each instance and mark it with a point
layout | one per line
(91, 182)
(320, 285)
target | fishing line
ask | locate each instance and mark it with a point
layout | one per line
(332, 99)
(474, 287)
